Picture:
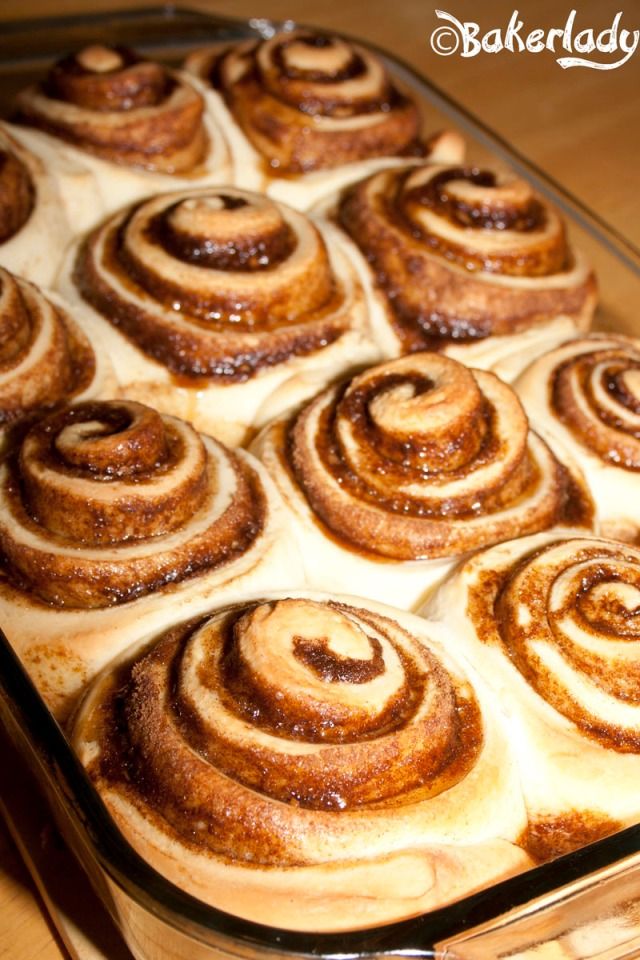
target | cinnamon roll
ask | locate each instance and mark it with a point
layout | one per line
(114, 520)
(220, 305)
(307, 762)
(305, 113)
(393, 475)
(46, 359)
(584, 396)
(552, 625)
(466, 261)
(135, 125)
(33, 227)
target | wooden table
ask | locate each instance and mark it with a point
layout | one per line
(580, 125)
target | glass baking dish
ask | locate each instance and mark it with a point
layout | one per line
(582, 905)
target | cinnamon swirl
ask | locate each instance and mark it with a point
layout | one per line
(305, 113)
(46, 359)
(136, 126)
(392, 475)
(219, 302)
(306, 762)
(115, 519)
(584, 396)
(33, 228)
(467, 261)
(552, 624)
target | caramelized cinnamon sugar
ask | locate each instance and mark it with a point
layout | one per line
(379, 485)
(31, 326)
(134, 113)
(162, 273)
(309, 102)
(596, 394)
(578, 509)
(317, 656)
(560, 614)
(520, 211)
(251, 251)
(437, 236)
(263, 702)
(399, 459)
(481, 604)
(119, 476)
(203, 706)
(345, 68)
(551, 837)
(108, 78)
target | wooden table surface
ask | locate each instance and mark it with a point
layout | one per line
(580, 125)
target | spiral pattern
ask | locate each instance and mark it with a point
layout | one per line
(45, 358)
(217, 283)
(423, 457)
(17, 191)
(112, 103)
(584, 395)
(106, 502)
(567, 617)
(308, 101)
(308, 731)
(462, 254)
(595, 392)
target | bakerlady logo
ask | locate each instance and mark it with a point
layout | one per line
(585, 47)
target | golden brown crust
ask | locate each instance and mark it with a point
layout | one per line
(45, 359)
(308, 101)
(216, 284)
(202, 707)
(290, 759)
(422, 457)
(106, 502)
(111, 103)
(461, 255)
